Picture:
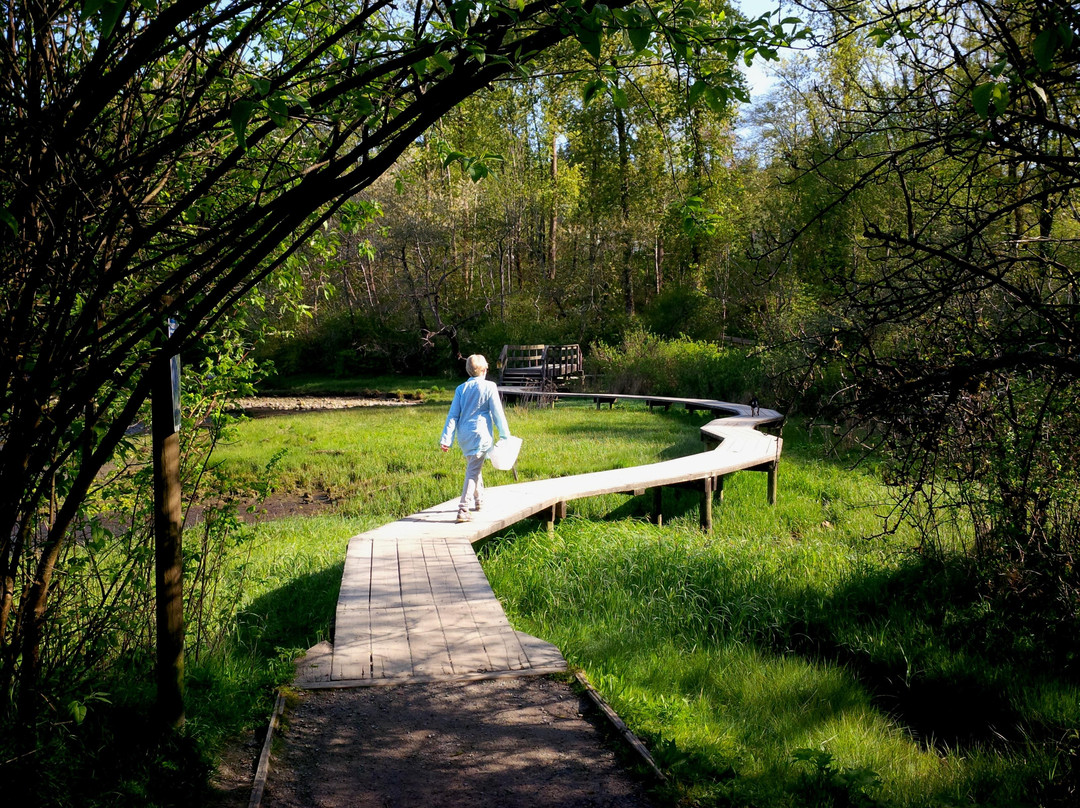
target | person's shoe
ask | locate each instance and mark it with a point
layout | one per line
(477, 505)
(463, 516)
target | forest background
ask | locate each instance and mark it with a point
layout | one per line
(891, 235)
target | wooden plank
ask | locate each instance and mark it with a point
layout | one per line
(504, 649)
(352, 642)
(540, 654)
(390, 650)
(429, 654)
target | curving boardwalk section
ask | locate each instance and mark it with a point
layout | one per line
(415, 604)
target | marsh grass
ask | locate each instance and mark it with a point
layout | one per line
(385, 461)
(786, 658)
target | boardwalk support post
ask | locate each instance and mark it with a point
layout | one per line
(658, 505)
(720, 488)
(706, 504)
(555, 513)
(770, 469)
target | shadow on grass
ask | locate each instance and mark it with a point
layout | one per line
(297, 615)
(940, 659)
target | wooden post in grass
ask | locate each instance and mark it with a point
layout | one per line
(168, 520)
(658, 505)
(720, 488)
(555, 513)
(706, 504)
(772, 483)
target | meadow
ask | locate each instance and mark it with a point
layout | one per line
(792, 656)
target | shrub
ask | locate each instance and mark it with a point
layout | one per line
(648, 365)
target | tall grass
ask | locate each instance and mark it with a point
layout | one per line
(650, 365)
(787, 659)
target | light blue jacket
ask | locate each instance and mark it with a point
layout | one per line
(476, 404)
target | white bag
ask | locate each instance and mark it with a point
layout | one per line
(503, 455)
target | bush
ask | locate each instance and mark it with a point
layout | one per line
(648, 365)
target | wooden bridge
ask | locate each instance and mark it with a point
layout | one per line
(415, 604)
(540, 367)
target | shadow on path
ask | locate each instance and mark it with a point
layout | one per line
(522, 741)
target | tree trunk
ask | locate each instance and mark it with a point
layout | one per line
(553, 233)
(624, 211)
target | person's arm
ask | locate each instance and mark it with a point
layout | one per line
(450, 427)
(498, 415)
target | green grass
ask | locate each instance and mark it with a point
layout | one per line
(784, 659)
(385, 461)
(787, 630)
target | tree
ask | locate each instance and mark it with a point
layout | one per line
(955, 318)
(183, 152)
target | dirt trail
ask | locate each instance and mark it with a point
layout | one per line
(527, 742)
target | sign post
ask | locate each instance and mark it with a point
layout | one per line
(168, 523)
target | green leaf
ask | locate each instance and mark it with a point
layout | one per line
(639, 38)
(1044, 48)
(9, 220)
(980, 99)
(78, 711)
(590, 41)
(110, 11)
(278, 109)
(478, 171)
(697, 90)
(442, 61)
(452, 157)
(362, 106)
(459, 13)
(241, 114)
(619, 98)
(681, 46)
(717, 98)
(592, 89)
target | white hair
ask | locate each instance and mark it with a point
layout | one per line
(476, 365)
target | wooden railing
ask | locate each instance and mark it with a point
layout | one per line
(544, 367)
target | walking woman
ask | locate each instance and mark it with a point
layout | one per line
(476, 406)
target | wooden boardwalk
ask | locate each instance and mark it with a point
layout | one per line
(415, 604)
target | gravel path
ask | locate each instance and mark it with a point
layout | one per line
(266, 405)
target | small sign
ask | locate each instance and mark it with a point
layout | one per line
(174, 368)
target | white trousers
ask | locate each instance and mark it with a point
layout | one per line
(473, 490)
